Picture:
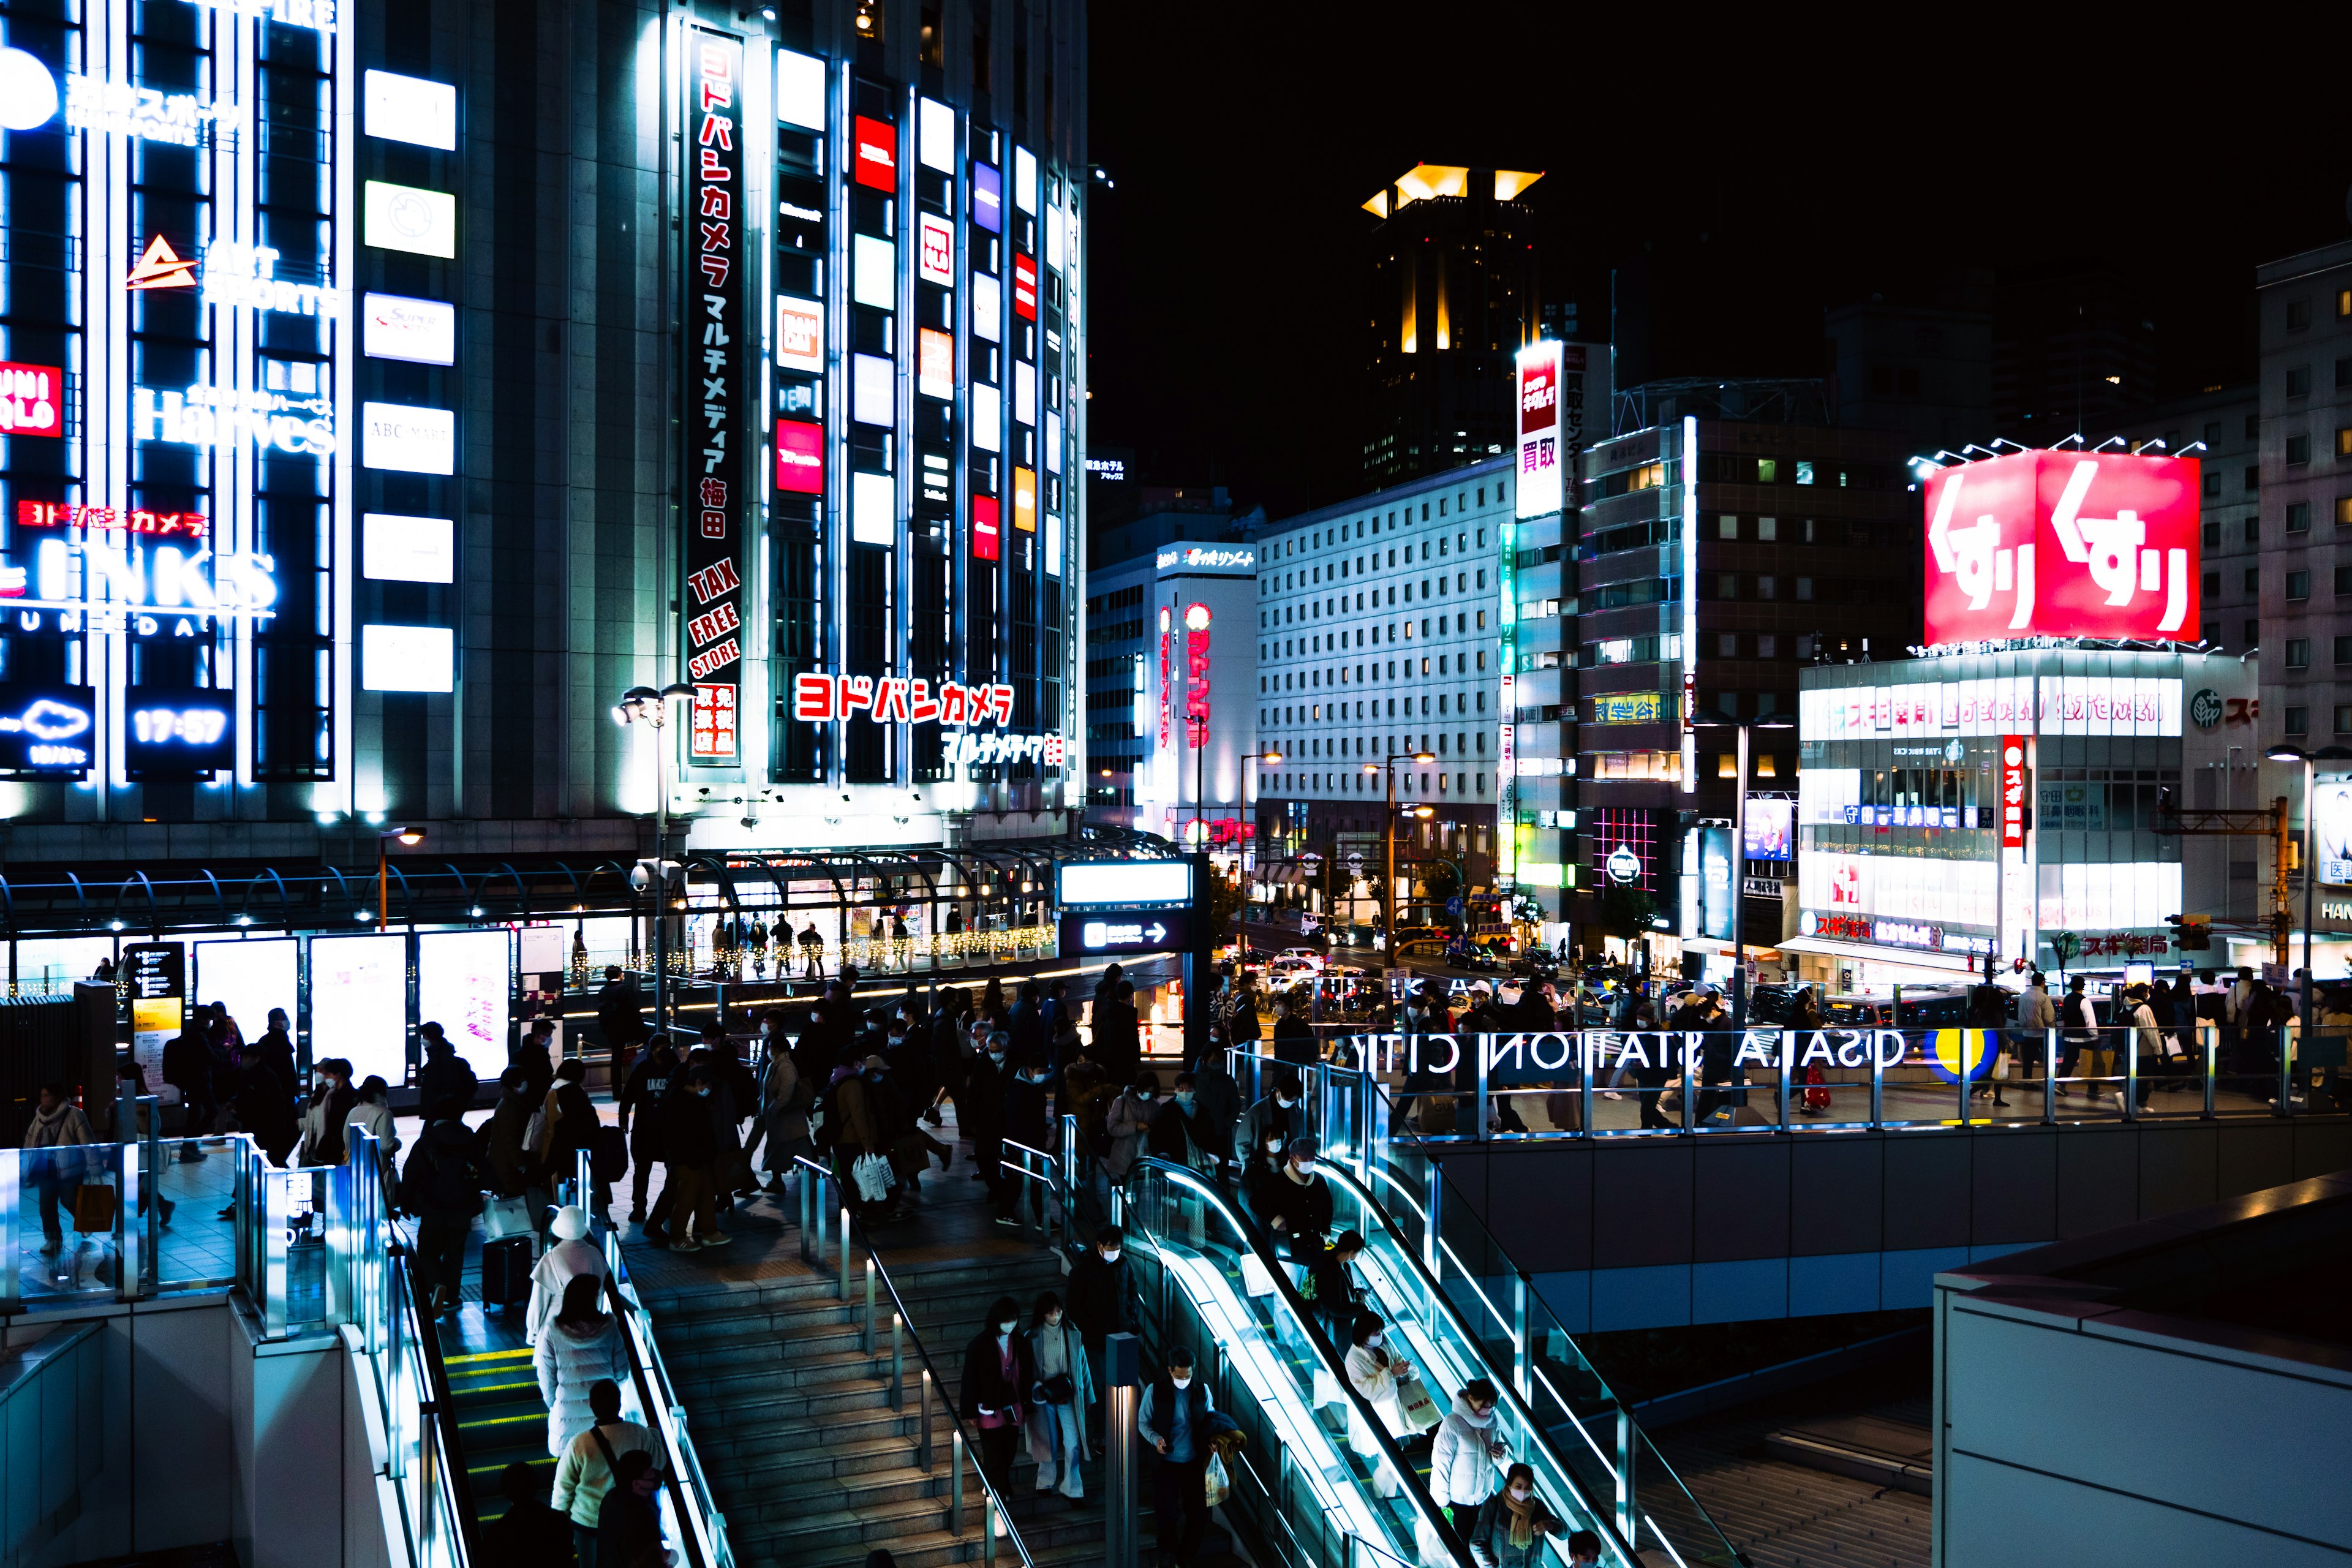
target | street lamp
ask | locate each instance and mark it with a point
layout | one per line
(409, 837)
(644, 705)
(2286, 753)
(1388, 882)
(1739, 854)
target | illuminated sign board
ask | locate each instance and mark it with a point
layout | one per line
(715, 279)
(393, 326)
(873, 508)
(159, 267)
(986, 543)
(358, 999)
(300, 419)
(1542, 459)
(2331, 818)
(1164, 930)
(1770, 829)
(1122, 884)
(31, 399)
(1024, 287)
(408, 659)
(875, 163)
(410, 109)
(403, 439)
(403, 217)
(46, 729)
(238, 274)
(800, 457)
(934, 363)
(2094, 544)
(84, 575)
(319, 16)
(800, 334)
(1628, 708)
(1024, 501)
(2013, 791)
(799, 90)
(184, 729)
(124, 109)
(987, 198)
(820, 698)
(395, 549)
(987, 308)
(1205, 557)
(935, 248)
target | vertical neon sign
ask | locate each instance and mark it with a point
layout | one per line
(1690, 604)
(713, 503)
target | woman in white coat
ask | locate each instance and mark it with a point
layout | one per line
(1057, 1428)
(581, 1347)
(1375, 1375)
(1463, 1460)
(571, 1256)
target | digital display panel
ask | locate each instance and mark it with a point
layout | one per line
(1770, 828)
(251, 978)
(465, 982)
(178, 730)
(46, 729)
(359, 1005)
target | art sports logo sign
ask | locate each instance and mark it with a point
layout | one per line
(2092, 545)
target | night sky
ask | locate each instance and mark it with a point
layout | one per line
(1767, 173)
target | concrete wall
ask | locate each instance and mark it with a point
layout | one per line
(208, 1434)
(2072, 1433)
(1658, 1232)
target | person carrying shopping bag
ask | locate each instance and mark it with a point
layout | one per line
(1059, 1399)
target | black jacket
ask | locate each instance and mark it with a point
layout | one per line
(981, 1107)
(984, 1373)
(625, 1524)
(1221, 1106)
(1099, 1299)
(1294, 1041)
(1026, 1119)
(620, 1014)
(641, 1097)
(188, 1063)
(446, 1084)
(687, 1137)
(1168, 1126)
(1305, 1207)
(443, 1180)
(529, 1535)
(275, 1052)
(1118, 1042)
(575, 1129)
(266, 1110)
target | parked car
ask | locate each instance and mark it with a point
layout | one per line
(1309, 955)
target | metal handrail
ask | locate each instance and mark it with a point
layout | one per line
(903, 1320)
(691, 1499)
(1408, 1475)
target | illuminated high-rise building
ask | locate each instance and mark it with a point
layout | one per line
(391, 387)
(1454, 293)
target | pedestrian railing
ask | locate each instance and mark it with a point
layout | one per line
(820, 1196)
(1604, 1083)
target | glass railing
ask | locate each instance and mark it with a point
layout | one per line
(1326, 1479)
(1609, 1083)
(1432, 1267)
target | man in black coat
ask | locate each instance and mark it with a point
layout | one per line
(641, 1097)
(979, 1113)
(188, 1066)
(620, 1011)
(446, 1084)
(443, 1188)
(1101, 1297)
(1027, 1022)
(690, 1162)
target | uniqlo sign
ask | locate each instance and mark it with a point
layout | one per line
(2013, 791)
(876, 163)
(32, 397)
(1541, 489)
(2092, 545)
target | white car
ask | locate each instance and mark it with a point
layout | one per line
(1287, 969)
(1305, 955)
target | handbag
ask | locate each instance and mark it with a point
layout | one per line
(2001, 1066)
(503, 1217)
(1257, 1279)
(93, 1208)
(1059, 1389)
(1219, 1484)
(873, 1176)
(1413, 1402)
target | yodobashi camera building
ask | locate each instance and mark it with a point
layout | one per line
(1997, 794)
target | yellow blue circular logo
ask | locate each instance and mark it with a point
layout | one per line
(1957, 1053)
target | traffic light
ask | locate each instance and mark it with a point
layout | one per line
(2195, 932)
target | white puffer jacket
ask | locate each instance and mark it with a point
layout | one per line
(1460, 1469)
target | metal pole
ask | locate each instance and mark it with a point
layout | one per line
(382, 887)
(898, 1361)
(923, 1442)
(1122, 1399)
(843, 1288)
(1739, 888)
(1387, 885)
(868, 1345)
(661, 871)
(955, 1483)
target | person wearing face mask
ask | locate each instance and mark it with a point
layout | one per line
(1179, 1425)
(1059, 1399)
(1216, 1122)
(1127, 1124)
(1300, 1201)
(1463, 1458)
(1177, 1128)
(1027, 1120)
(1332, 1286)
(999, 1369)
(1101, 1302)
(689, 1161)
(1378, 1376)
(1262, 1176)
(1509, 1529)
(1279, 1111)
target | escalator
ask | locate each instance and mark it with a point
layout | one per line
(500, 1419)
(1460, 1310)
(1320, 1480)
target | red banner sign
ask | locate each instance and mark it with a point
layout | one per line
(2013, 791)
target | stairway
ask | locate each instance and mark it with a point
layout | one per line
(500, 1419)
(792, 1421)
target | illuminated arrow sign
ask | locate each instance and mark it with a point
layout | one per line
(1119, 932)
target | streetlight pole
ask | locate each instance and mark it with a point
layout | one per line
(407, 836)
(643, 704)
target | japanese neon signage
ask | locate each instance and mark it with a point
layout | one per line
(2013, 791)
(1540, 457)
(31, 400)
(1196, 675)
(877, 163)
(714, 506)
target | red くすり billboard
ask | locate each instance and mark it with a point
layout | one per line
(2092, 545)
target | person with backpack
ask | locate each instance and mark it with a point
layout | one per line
(641, 1099)
(628, 1522)
(443, 1188)
(2078, 1031)
(585, 1473)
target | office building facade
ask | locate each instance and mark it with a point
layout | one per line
(2306, 496)
(1716, 559)
(1454, 293)
(1377, 637)
(401, 385)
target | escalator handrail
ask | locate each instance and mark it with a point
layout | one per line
(1604, 1519)
(1185, 1176)
(1373, 1086)
(659, 1399)
(444, 1415)
(810, 1169)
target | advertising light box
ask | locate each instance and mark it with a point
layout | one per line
(1541, 489)
(409, 108)
(46, 729)
(2091, 544)
(395, 549)
(799, 90)
(407, 658)
(403, 439)
(2331, 819)
(1770, 828)
(800, 334)
(403, 217)
(1122, 884)
(465, 982)
(422, 332)
(800, 457)
(873, 508)
(251, 978)
(30, 399)
(875, 163)
(359, 1004)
